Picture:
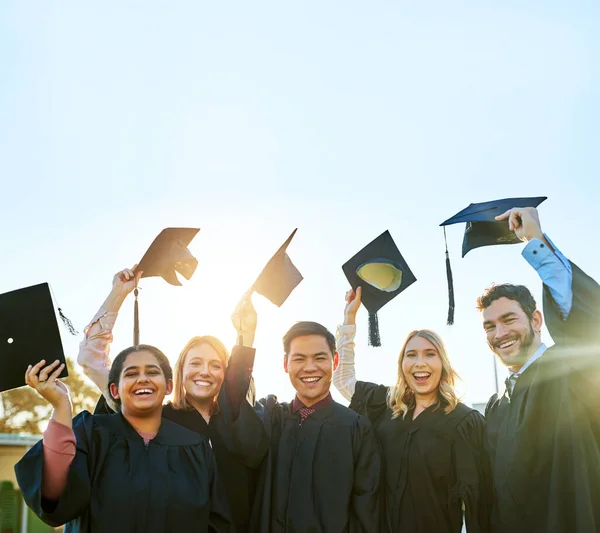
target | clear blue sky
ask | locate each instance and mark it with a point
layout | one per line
(249, 119)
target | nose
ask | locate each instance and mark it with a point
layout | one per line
(500, 331)
(204, 369)
(420, 360)
(310, 366)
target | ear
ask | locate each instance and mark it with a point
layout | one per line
(114, 391)
(537, 321)
(285, 363)
(169, 386)
(336, 361)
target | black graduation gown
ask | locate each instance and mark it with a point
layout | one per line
(239, 441)
(544, 440)
(321, 475)
(431, 466)
(117, 484)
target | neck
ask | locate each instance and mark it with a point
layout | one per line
(204, 407)
(426, 400)
(145, 424)
(535, 346)
(309, 402)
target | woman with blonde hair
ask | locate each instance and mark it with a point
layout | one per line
(435, 464)
(210, 391)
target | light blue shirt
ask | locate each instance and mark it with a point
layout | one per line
(556, 273)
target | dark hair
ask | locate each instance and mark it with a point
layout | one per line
(518, 293)
(302, 329)
(114, 374)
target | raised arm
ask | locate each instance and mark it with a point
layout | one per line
(571, 297)
(344, 377)
(94, 349)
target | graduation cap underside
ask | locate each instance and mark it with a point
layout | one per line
(167, 255)
(28, 333)
(383, 274)
(482, 229)
(279, 277)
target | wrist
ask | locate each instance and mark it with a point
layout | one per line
(349, 320)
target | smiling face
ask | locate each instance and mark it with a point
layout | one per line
(142, 385)
(310, 365)
(511, 335)
(203, 374)
(422, 367)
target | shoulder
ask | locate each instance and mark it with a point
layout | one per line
(467, 422)
(343, 415)
(173, 434)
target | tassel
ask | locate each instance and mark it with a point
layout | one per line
(136, 319)
(374, 339)
(67, 323)
(450, 320)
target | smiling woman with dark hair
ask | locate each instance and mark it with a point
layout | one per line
(125, 472)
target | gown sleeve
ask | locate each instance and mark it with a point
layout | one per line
(241, 428)
(581, 326)
(369, 399)
(473, 473)
(366, 505)
(76, 496)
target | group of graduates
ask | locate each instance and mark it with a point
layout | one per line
(407, 457)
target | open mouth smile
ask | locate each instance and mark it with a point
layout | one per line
(143, 392)
(310, 380)
(421, 377)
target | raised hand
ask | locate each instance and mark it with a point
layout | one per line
(352, 305)
(125, 281)
(44, 379)
(525, 222)
(245, 319)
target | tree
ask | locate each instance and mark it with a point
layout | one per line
(23, 409)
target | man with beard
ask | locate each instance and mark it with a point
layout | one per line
(543, 433)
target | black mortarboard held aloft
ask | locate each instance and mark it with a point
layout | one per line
(482, 229)
(167, 255)
(28, 333)
(279, 277)
(383, 274)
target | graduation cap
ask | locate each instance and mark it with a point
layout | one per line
(383, 274)
(167, 255)
(279, 277)
(482, 229)
(28, 333)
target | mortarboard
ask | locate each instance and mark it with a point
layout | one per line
(167, 255)
(279, 277)
(28, 333)
(383, 274)
(482, 229)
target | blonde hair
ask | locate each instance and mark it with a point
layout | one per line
(401, 399)
(179, 398)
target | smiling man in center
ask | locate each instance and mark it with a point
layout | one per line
(323, 468)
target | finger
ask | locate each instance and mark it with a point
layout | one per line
(36, 368)
(56, 373)
(138, 276)
(45, 372)
(504, 216)
(27, 372)
(515, 220)
(358, 292)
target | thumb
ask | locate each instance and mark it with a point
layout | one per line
(504, 216)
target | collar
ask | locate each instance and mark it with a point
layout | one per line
(538, 353)
(297, 404)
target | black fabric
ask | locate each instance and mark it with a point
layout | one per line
(544, 440)
(118, 484)
(27, 318)
(238, 438)
(321, 475)
(432, 465)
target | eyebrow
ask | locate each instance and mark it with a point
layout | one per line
(136, 367)
(295, 354)
(510, 314)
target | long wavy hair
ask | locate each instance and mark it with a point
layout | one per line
(179, 398)
(401, 399)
